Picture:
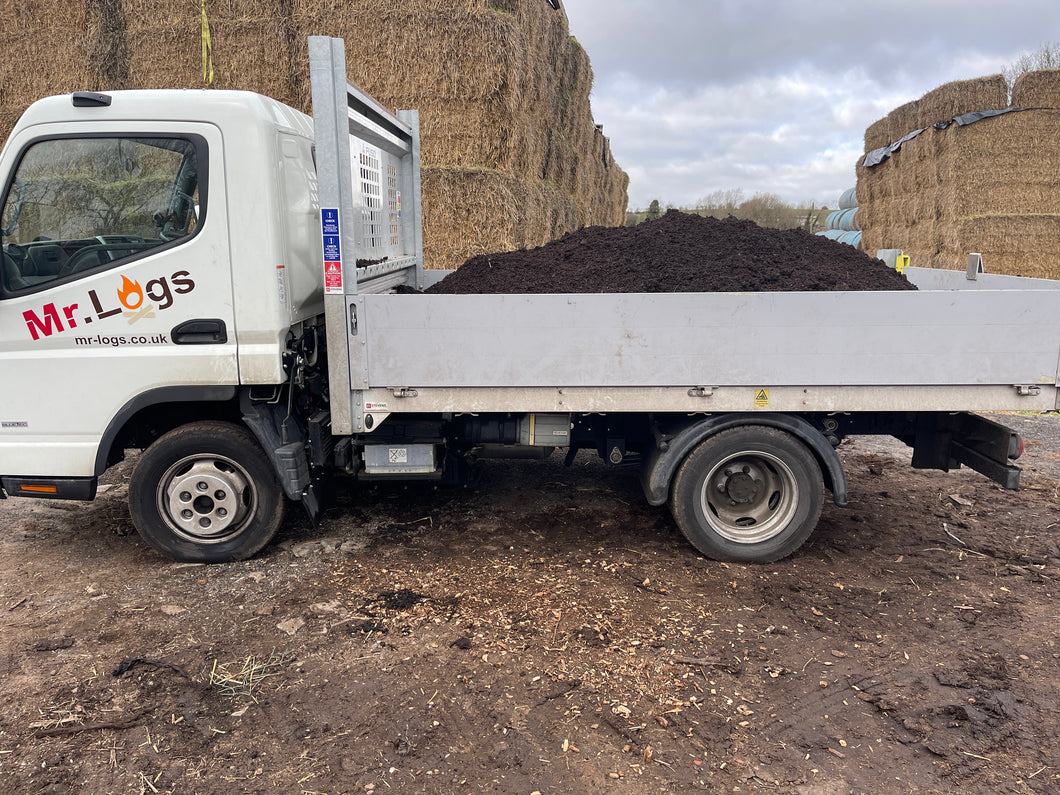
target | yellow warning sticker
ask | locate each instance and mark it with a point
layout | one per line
(761, 398)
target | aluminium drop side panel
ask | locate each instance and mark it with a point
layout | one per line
(933, 338)
(939, 279)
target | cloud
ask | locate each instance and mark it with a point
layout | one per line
(757, 135)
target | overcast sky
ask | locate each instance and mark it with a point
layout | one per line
(774, 96)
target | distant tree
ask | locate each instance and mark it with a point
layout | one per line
(768, 209)
(720, 203)
(1048, 57)
(765, 209)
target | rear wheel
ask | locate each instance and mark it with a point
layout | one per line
(751, 494)
(206, 493)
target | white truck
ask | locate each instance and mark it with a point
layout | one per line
(209, 277)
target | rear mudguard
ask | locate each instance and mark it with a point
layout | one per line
(671, 450)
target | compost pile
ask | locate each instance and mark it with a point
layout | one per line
(679, 252)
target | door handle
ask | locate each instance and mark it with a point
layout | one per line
(200, 331)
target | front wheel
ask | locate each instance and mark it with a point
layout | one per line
(206, 493)
(751, 494)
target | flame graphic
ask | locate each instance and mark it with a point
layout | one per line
(131, 294)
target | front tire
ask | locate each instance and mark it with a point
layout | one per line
(748, 494)
(206, 493)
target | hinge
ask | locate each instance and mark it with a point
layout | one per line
(1028, 390)
(405, 392)
(701, 391)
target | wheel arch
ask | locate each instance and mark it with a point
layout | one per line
(658, 473)
(151, 414)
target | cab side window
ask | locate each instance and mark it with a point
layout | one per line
(80, 205)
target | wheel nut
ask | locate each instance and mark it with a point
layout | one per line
(186, 514)
(185, 496)
(204, 522)
(219, 495)
(222, 512)
(202, 485)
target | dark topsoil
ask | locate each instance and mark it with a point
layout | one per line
(677, 253)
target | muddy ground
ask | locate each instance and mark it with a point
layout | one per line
(547, 632)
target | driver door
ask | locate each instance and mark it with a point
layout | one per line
(115, 285)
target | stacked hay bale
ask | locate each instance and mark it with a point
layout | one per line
(991, 187)
(511, 156)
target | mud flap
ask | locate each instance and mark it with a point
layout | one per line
(312, 503)
(290, 460)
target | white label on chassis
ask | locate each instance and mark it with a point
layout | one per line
(398, 455)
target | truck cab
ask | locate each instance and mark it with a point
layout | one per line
(158, 248)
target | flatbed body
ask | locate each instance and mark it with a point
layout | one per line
(954, 345)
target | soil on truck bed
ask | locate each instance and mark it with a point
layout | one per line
(547, 632)
(679, 252)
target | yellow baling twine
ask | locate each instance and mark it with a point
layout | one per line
(207, 49)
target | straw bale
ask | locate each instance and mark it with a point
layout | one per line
(152, 14)
(500, 213)
(878, 134)
(916, 209)
(8, 116)
(1019, 245)
(167, 57)
(247, 53)
(412, 55)
(880, 235)
(882, 181)
(20, 16)
(962, 96)
(903, 120)
(1008, 165)
(945, 192)
(243, 47)
(36, 69)
(1039, 89)
(479, 135)
(386, 6)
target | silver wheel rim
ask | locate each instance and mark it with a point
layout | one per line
(749, 497)
(206, 499)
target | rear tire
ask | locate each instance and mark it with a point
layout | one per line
(749, 494)
(206, 493)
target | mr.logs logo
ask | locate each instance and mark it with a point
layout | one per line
(133, 302)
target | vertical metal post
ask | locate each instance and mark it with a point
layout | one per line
(411, 212)
(327, 72)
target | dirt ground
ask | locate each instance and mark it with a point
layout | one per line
(545, 632)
